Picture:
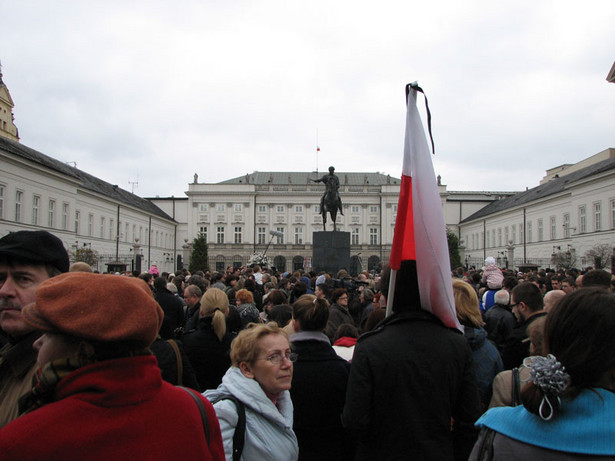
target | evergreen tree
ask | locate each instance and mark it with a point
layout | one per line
(198, 258)
(453, 249)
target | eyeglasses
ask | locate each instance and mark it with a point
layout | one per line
(512, 306)
(276, 359)
(342, 298)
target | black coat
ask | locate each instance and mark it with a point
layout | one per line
(410, 379)
(337, 316)
(167, 362)
(517, 347)
(318, 392)
(173, 313)
(191, 320)
(499, 324)
(208, 355)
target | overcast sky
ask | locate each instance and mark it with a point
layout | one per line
(156, 91)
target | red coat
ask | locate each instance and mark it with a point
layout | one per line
(115, 409)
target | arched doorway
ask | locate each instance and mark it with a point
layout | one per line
(373, 264)
(355, 265)
(220, 262)
(280, 263)
(297, 263)
(237, 261)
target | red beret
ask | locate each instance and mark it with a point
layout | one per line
(98, 307)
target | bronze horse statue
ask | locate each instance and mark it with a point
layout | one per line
(331, 203)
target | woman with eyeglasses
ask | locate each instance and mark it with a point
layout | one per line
(338, 313)
(258, 383)
(319, 385)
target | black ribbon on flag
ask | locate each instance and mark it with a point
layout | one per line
(416, 87)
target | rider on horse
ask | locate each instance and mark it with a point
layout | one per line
(333, 184)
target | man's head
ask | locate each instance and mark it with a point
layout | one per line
(502, 297)
(597, 278)
(160, 284)
(568, 285)
(331, 169)
(556, 283)
(552, 297)
(192, 295)
(367, 296)
(526, 300)
(27, 258)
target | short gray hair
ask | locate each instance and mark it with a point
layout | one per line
(502, 297)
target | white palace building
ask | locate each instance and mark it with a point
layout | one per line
(572, 209)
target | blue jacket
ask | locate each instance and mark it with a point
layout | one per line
(487, 361)
(585, 425)
(269, 431)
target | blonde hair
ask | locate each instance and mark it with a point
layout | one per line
(244, 346)
(466, 304)
(214, 304)
(244, 296)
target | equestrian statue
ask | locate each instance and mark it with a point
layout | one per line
(330, 201)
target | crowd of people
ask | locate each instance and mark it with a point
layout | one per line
(250, 363)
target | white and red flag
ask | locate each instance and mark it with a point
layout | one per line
(420, 248)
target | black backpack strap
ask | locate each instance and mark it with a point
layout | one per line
(201, 406)
(516, 388)
(239, 437)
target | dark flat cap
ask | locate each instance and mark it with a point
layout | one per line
(37, 247)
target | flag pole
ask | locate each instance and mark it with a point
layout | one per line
(391, 293)
(419, 253)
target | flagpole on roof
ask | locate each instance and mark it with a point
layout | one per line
(317, 150)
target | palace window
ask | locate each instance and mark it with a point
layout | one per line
(597, 216)
(261, 235)
(51, 216)
(298, 236)
(36, 202)
(553, 228)
(77, 221)
(582, 219)
(373, 236)
(280, 239)
(18, 203)
(2, 189)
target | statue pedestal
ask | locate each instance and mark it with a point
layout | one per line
(331, 251)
